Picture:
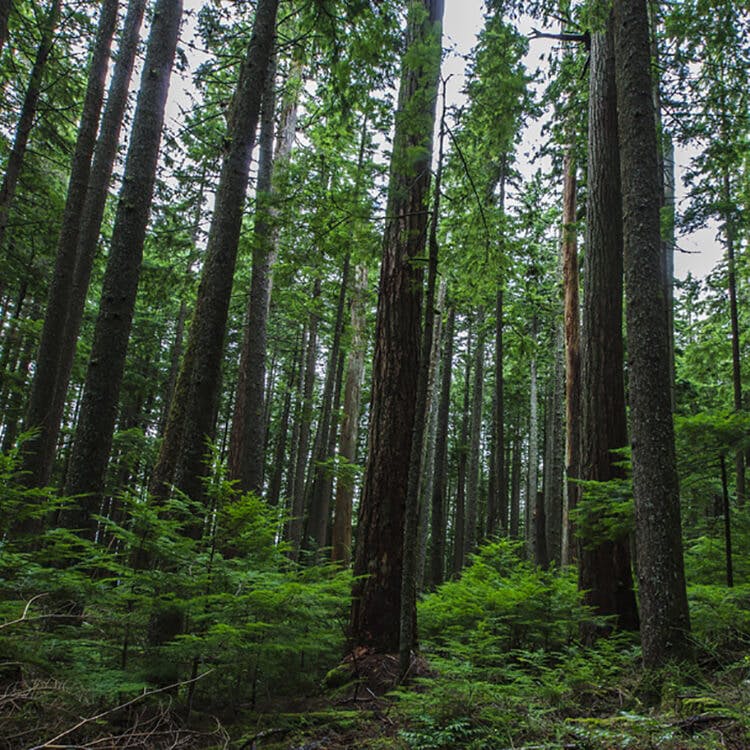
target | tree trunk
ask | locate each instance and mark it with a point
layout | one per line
(472, 482)
(318, 501)
(5, 6)
(439, 494)
(572, 353)
(729, 234)
(296, 523)
(39, 452)
(665, 622)
(605, 568)
(515, 489)
(379, 551)
(554, 462)
(342, 525)
(247, 438)
(727, 512)
(27, 115)
(427, 481)
(459, 525)
(93, 441)
(274, 486)
(49, 411)
(533, 475)
(193, 413)
(408, 634)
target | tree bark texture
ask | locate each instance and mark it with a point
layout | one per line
(195, 405)
(92, 213)
(378, 561)
(605, 566)
(572, 351)
(475, 434)
(247, 437)
(93, 441)
(554, 462)
(39, 452)
(438, 520)
(665, 622)
(342, 524)
(459, 520)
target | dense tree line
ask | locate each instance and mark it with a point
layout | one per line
(316, 315)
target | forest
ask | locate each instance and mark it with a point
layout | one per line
(360, 389)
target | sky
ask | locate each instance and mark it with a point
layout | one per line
(697, 252)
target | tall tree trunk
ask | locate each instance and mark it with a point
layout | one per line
(408, 616)
(572, 352)
(318, 501)
(296, 523)
(342, 525)
(515, 489)
(48, 411)
(27, 115)
(459, 525)
(274, 485)
(40, 451)
(195, 405)
(93, 441)
(729, 235)
(247, 439)
(439, 494)
(427, 481)
(605, 567)
(665, 621)
(379, 551)
(533, 473)
(472, 480)
(554, 462)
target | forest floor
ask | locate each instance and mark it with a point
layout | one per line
(690, 713)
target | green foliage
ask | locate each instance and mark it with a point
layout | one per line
(148, 604)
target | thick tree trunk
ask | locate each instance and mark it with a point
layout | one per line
(665, 622)
(605, 568)
(193, 414)
(439, 497)
(377, 596)
(93, 441)
(342, 526)
(42, 415)
(27, 115)
(408, 634)
(247, 438)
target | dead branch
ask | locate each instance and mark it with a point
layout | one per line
(147, 694)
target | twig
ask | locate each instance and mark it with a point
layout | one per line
(101, 715)
(24, 616)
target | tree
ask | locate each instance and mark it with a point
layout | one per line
(605, 568)
(665, 622)
(43, 411)
(88, 463)
(379, 548)
(195, 403)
